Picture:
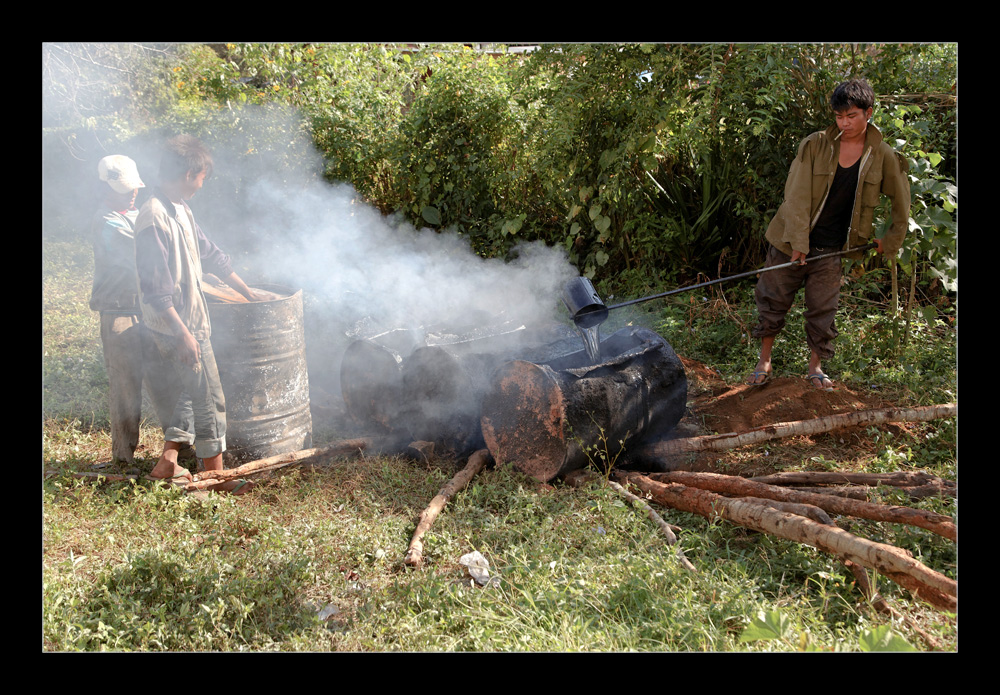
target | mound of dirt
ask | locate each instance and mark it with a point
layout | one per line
(723, 408)
(715, 407)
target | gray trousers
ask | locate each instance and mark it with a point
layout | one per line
(131, 361)
(776, 290)
(199, 413)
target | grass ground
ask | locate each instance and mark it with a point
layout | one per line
(312, 560)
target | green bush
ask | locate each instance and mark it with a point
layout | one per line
(657, 158)
(454, 144)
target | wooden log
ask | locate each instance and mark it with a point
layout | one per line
(414, 554)
(664, 527)
(916, 484)
(206, 479)
(810, 511)
(344, 447)
(730, 440)
(547, 419)
(854, 493)
(898, 479)
(894, 563)
(733, 485)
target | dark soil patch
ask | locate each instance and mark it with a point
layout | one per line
(716, 407)
(737, 408)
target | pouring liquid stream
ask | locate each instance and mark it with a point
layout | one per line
(588, 312)
(592, 341)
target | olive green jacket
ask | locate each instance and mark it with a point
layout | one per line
(883, 171)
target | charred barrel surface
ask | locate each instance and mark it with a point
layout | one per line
(427, 384)
(371, 383)
(260, 350)
(441, 392)
(541, 418)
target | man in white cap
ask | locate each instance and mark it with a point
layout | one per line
(115, 295)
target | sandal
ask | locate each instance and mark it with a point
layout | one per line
(242, 486)
(180, 480)
(249, 485)
(752, 379)
(817, 380)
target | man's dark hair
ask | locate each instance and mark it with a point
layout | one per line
(856, 92)
(183, 154)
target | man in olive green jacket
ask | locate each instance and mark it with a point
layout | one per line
(833, 187)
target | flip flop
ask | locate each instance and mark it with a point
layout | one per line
(819, 385)
(242, 486)
(752, 379)
(180, 480)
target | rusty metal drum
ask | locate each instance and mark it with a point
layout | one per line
(261, 353)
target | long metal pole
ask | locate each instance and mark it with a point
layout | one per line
(740, 275)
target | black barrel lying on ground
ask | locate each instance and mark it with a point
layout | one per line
(549, 418)
(371, 380)
(428, 385)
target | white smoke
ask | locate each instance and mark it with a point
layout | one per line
(343, 253)
(363, 273)
(268, 205)
(338, 248)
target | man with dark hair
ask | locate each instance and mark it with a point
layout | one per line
(833, 186)
(129, 354)
(171, 252)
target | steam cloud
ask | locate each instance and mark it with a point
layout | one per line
(352, 262)
(304, 231)
(287, 225)
(345, 251)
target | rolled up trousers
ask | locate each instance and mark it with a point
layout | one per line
(776, 291)
(199, 415)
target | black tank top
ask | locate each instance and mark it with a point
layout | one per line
(835, 220)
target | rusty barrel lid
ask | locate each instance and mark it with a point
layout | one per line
(523, 419)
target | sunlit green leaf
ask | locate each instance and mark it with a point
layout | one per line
(767, 626)
(882, 639)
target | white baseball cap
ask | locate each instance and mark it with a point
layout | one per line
(119, 172)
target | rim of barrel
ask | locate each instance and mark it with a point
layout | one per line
(288, 292)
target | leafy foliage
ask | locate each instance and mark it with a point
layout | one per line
(933, 235)
(455, 141)
(775, 626)
(667, 159)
